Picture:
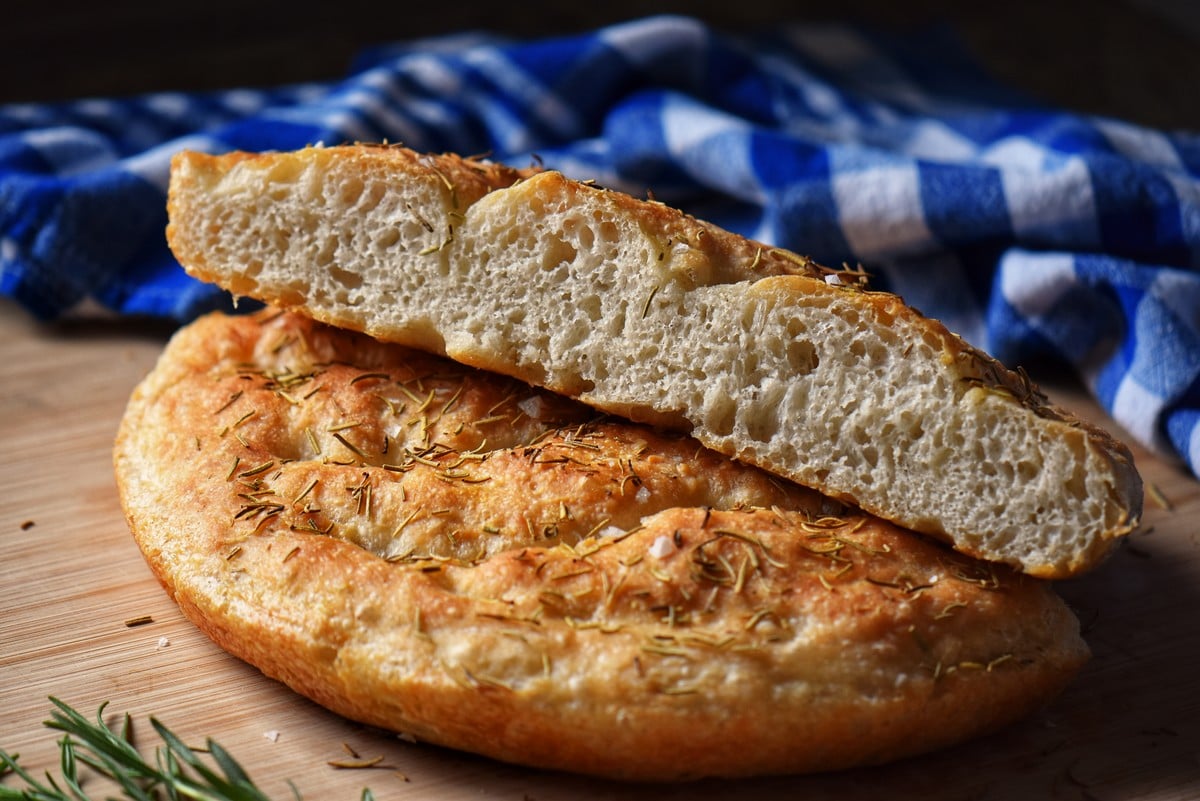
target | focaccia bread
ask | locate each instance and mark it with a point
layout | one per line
(641, 311)
(433, 549)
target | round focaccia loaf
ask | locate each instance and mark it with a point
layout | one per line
(641, 311)
(430, 548)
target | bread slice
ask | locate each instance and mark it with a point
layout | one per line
(640, 310)
(439, 550)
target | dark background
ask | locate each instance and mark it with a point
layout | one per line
(1134, 59)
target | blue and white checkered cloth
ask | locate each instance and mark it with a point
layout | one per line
(1039, 235)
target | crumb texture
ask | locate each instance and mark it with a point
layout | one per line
(639, 310)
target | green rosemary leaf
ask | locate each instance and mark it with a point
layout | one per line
(70, 768)
(233, 771)
(176, 772)
(33, 792)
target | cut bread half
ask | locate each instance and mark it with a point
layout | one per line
(642, 311)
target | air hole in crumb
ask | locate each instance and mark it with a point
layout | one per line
(1077, 486)
(324, 256)
(762, 421)
(802, 356)
(616, 323)
(870, 455)
(573, 385)
(556, 252)
(350, 189)
(751, 312)
(762, 426)
(345, 277)
(591, 306)
(586, 237)
(719, 414)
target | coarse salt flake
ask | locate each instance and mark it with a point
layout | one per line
(610, 531)
(163, 642)
(662, 548)
(533, 407)
(833, 279)
(642, 495)
(272, 735)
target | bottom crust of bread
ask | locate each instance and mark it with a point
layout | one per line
(436, 550)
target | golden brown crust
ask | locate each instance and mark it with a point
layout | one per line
(429, 548)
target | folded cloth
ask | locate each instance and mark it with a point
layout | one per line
(1040, 235)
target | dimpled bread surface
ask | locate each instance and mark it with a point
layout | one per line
(437, 550)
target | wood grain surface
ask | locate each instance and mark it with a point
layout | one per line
(70, 578)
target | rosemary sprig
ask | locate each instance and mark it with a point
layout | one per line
(177, 771)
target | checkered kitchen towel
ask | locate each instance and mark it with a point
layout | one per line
(1038, 234)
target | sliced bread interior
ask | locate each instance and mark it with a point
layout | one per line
(642, 311)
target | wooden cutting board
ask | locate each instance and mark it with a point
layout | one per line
(71, 578)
